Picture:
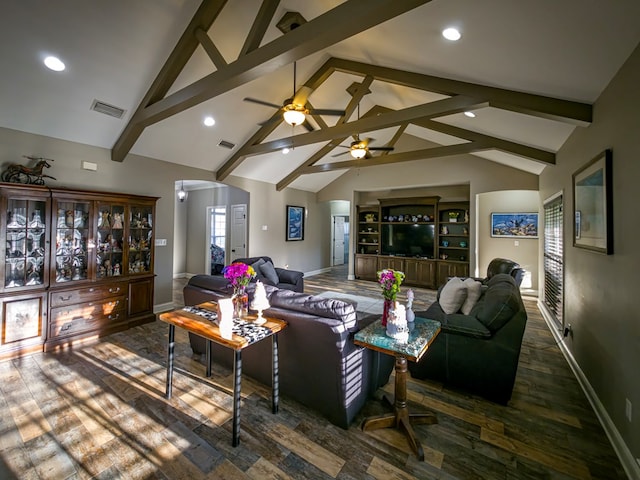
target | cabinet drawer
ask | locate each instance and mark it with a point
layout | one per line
(88, 294)
(73, 319)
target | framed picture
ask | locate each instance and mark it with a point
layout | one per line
(521, 225)
(592, 205)
(295, 223)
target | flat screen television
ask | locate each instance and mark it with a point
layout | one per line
(407, 239)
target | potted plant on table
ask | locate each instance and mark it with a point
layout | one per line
(390, 281)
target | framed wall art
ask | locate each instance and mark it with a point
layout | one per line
(295, 223)
(521, 225)
(592, 205)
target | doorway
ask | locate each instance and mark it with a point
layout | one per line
(339, 240)
(238, 232)
(215, 257)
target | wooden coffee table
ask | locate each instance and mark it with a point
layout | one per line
(374, 337)
(199, 319)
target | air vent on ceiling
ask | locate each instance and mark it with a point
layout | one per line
(225, 144)
(107, 109)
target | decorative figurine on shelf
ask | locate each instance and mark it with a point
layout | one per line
(104, 222)
(16, 173)
(444, 230)
(68, 218)
(466, 216)
(410, 315)
(260, 302)
(117, 220)
(116, 270)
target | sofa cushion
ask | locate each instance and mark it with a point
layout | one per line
(453, 295)
(210, 282)
(474, 290)
(269, 271)
(313, 305)
(500, 302)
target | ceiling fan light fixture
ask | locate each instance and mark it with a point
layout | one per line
(452, 34)
(294, 115)
(358, 152)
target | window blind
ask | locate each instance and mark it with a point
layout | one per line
(553, 258)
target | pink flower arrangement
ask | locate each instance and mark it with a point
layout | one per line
(390, 281)
(239, 274)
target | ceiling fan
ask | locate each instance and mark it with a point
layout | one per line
(294, 110)
(361, 149)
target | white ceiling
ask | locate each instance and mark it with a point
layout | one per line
(113, 50)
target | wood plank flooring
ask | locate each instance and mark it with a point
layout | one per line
(99, 412)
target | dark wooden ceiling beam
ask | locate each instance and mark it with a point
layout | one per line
(261, 23)
(325, 30)
(209, 47)
(182, 52)
(566, 111)
(438, 108)
(434, 152)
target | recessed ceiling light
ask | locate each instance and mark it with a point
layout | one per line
(209, 121)
(285, 151)
(470, 114)
(54, 63)
(451, 33)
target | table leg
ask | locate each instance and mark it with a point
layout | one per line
(401, 418)
(237, 384)
(170, 353)
(275, 381)
(207, 354)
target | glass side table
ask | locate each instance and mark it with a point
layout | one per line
(374, 337)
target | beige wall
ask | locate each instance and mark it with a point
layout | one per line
(526, 250)
(600, 290)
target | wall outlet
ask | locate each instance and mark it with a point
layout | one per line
(628, 409)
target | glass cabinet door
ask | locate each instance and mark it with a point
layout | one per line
(72, 233)
(25, 251)
(109, 241)
(140, 239)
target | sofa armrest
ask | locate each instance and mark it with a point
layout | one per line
(459, 324)
(290, 276)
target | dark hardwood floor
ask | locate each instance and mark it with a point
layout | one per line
(99, 411)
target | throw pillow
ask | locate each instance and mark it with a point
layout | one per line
(453, 295)
(269, 271)
(474, 290)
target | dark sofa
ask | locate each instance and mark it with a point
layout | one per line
(478, 352)
(287, 279)
(319, 365)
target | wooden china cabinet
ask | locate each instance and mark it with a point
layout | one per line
(77, 264)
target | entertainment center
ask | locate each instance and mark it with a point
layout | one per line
(425, 238)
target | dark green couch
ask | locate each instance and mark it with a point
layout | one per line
(479, 352)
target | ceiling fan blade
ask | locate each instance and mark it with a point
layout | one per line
(262, 102)
(338, 154)
(384, 149)
(327, 111)
(271, 120)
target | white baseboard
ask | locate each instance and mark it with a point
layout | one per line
(629, 463)
(317, 272)
(163, 307)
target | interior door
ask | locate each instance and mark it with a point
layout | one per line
(238, 231)
(338, 240)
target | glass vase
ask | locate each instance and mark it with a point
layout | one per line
(240, 303)
(388, 307)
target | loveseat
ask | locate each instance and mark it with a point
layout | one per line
(274, 276)
(319, 366)
(476, 351)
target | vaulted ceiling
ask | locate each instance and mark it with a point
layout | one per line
(530, 71)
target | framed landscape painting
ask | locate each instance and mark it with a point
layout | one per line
(521, 225)
(592, 205)
(295, 223)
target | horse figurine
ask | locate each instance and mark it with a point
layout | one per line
(16, 173)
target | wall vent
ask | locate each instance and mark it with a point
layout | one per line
(225, 144)
(107, 109)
